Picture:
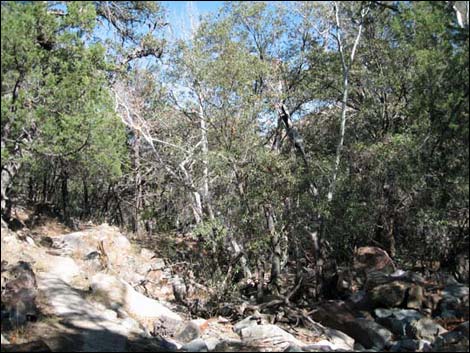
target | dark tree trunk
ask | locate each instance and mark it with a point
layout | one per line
(9, 171)
(86, 203)
(276, 247)
(65, 197)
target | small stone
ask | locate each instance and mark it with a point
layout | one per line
(92, 255)
(222, 320)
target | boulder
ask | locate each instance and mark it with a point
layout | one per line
(463, 327)
(409, 345)
(4, 340)
(211, 343)
(19, 294)
(334, 314)
(187, 332)
(323, 346)
(230, 346)
(457, 291)
(454, 341)
(147, 254)
(116, 294)
(295, 348)
(339, 339)
(270, 338)
(197, 345)
(389, 295)
(109, 290)
(424, 328)
(249, 321)
(415, 297)
(397, 320)
(449, 307)
(369, 333)
(370, 258)
(34, 346)
(462, 268)
(63, 267)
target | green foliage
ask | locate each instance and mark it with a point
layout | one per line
(198, 145)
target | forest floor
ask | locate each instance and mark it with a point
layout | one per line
(96, 289)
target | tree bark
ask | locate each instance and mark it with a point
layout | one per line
(346, 69)
(86, 202)
(137, 183)
(9, 171)
(276, 246)
(65, 196)
(206, 197)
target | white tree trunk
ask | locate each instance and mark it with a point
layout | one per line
(346, 67)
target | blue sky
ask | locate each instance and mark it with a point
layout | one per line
(179, 13)
(203, 6)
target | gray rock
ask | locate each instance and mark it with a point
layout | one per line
(358, 297)
(268, 338)
(415, 297)
(187, 332)
(197, 345)
(408, 345)
(19, 294)
(425, 328)
(373, 259)
(454, 341)
(63, 267)
(457, 290)
(325, 346)
(397, 320)
(116, 293)
(92, 255)
(462, 268)
(381, 313)
(212, 343)
(398, 327)
(158, 264)
(293, 348)
(339, 339)
(358, 347)
(389, 295)
(463, 327)
(4, 340)
(369, 333)
(246, 322)
(109, 315)
(230, 346)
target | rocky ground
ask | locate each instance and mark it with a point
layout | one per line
(93, 290)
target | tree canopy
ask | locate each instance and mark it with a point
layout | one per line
(285, 134)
